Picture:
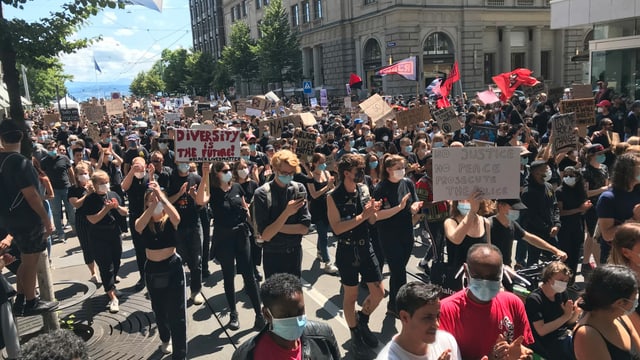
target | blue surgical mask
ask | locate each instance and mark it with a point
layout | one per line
(246, 157)
(289, 328)
(183, 168)
(226, 177)
(513, 215)
(463, 131)
(524, 161)
(252, 147)
(438, 144)
(369, 143)
(408, 148)
(464, 208)
(107, 140)
(322, 167)
(601, 158)
(352, 143)
(379, 154)
(285, 179)
(632, 309)
(484, 290)
(373, 164)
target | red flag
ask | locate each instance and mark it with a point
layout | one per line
(447, 84)
(355, 81)
(406, 68)
(509, 82)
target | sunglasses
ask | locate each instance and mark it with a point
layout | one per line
(224, 171)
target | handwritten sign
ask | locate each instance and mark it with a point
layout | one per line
(413, 116)
(536, 89)
(259, 103)
(564, 137)
(70, 114)
(484, 134)
(205, 144)
(458, 172)
(51, 119)
(114, 107)
(581, 91)
(313, 102)
(306, 144)
(94, 113)
(207, 115)
(189, 111)
(377, 109)
(584, 109)
(171, 118)
(203, 107)
(447, 119)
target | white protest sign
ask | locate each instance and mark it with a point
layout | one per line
(271, 96)
(347, 102)
(206, 144)
(313, 102)
(376, 108)
(458, 172)
(447, 119)
(253, 112)
(564, 136)
(114, 107)
(171, 117)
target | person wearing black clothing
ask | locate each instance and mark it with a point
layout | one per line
(182, 194)
(104, 211)
(164, 274)
(241, 176)
(168, 155)
(77, 195)
(59, 170)
(595, 175)
(111, 163)
(350, 211)
(285, 219)
(543, 215)
(104, 143)
(322, 183)
(161, 172)
(231, 236)
(631, 123)
(134, 150)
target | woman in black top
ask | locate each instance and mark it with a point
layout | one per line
(230, 236)
(466, 226)
(77, 195)
(164, 274)
(241, 170)
(104, 211)
(318, 188)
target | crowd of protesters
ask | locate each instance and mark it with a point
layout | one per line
(368, 187)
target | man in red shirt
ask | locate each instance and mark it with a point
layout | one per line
(483, 318)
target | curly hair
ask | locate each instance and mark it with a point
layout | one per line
(624, 172)
(348, 162)
(279, 286)
(55, 345)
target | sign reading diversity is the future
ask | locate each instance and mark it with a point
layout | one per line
(205, 144)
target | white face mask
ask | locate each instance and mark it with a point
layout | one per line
(104, 188)
(569, 180)
(83, 177)
(559, 286)
(398, 174)
(139, 175)
(158, 210)
(243, 173)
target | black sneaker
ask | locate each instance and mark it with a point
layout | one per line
(260, 323)
(139, 285)
(363, 325)
(18, 305)
(359, 349)
(37, 306)
(234, 323)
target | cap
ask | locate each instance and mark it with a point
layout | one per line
(594, 148)
(536, 164)
(357, 121)
(8, 126)
(250, 136)
(604, 103)
(516, 204)
(133, 137)
(269, 148)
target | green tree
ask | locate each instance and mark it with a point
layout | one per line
(278, 49)
(222, 77)
(146, 83)
(43, 82)
(239, 55)
(137, 86)
(31, 44)
(201, 67)
(174, 70)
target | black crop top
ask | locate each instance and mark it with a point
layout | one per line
(161, 239)
(615, 352)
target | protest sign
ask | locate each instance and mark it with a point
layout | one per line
(51, 119)
(203, 107)
(189, 111)
(296, 107)
(347, 102)
(580, 91)
(536, 89)
(458, 172)
(271, 96)
(584, 109)
(206, 144)
(93, 131)
(488, 97)
(413, 116)
(207, 115)
(555, 94)
(253, 112)
(313, 102)
(324, 101)
(278, 125)
(447, 119)
(307, 119)
(376, 108)
(171, 118)
(306, 145)
(69, 114)
(485, 134)
(94, 113)
(114, 107)
(259, 103)
(565, 138)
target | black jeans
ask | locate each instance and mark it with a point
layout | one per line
(534, 252)
(397, 252)
(288, 260)
(232, 249)
(82, 231)
(205, 222)
(571, 237)
(138, 245)
(107, 250)
(190, 248)
(166, 285)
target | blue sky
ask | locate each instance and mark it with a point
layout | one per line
(132, 38)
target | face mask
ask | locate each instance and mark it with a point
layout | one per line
(322, 167)
(104, 188)
(524, 161)
(385, 138)
(373, 164)
(285, 179)
(139, 175)
(423, 129)
(547, 175)
(330, 141)
(73, 143)
(52, 153)
(638, 178)
(379, 154)
(245, 157)
(289, 328)
(107, 140)
(252, 147)
(369, 143)
(408, 148)
(601, 158)
(463, 131)
(484, 290)
(158, 210)
(123, 132)
(133, 144)
(163, 146)
(513, 215)
(569, 180)
(559, 286)
(226, 177)
(83, 177)
(600, 110)
(464, 208)
(438, 144)
(398, 174)
(183, 168)
(265, 134)
(359, 176)
(243, 173)
(352, 143)
(633, 308)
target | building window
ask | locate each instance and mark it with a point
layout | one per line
(495, 2)
(295, 15)
(264, 2)
(545, 65)
(524, 2)
(438, 44)
(306, 12)
(258, 4)
(244, 8)
(517, 60)
(233, 14)
(259, 29)
(238, 12)
(489, 67)
(367, 2)
(317, 10)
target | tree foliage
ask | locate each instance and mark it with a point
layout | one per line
(239, 56)
(146, 83)
(201, 67)
(43, 82)
(175, 71)
(278, 49)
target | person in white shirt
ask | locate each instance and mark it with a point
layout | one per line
(418, 306)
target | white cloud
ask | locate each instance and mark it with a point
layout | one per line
(109, 17)
(124, 32)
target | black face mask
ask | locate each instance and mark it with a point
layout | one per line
(359, 176)
(330, 141)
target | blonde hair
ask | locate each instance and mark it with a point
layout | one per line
(83, 166)
(99, 175)
(555, 267)
(285, 156)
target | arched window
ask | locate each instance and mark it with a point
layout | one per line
(438, 43)
(372, 54)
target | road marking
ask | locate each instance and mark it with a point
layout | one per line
(325, 303)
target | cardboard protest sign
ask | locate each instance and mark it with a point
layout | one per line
(458, 172)
(51, 119)
(171, 117)
(206, 144)
(207, 115)
(581, 91)
(583, 108)
(94, 113)
(114, 107)
(306, 145)
(565, 138)
(447, 119)
(485, 134)
(296, 107)
(240, 106)
(307, 119)
(278, 125)
(69, 114)
(413, 116)
(189, 111)
(536, 89)
(376, 108)
(259, 103)
(555, 94)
